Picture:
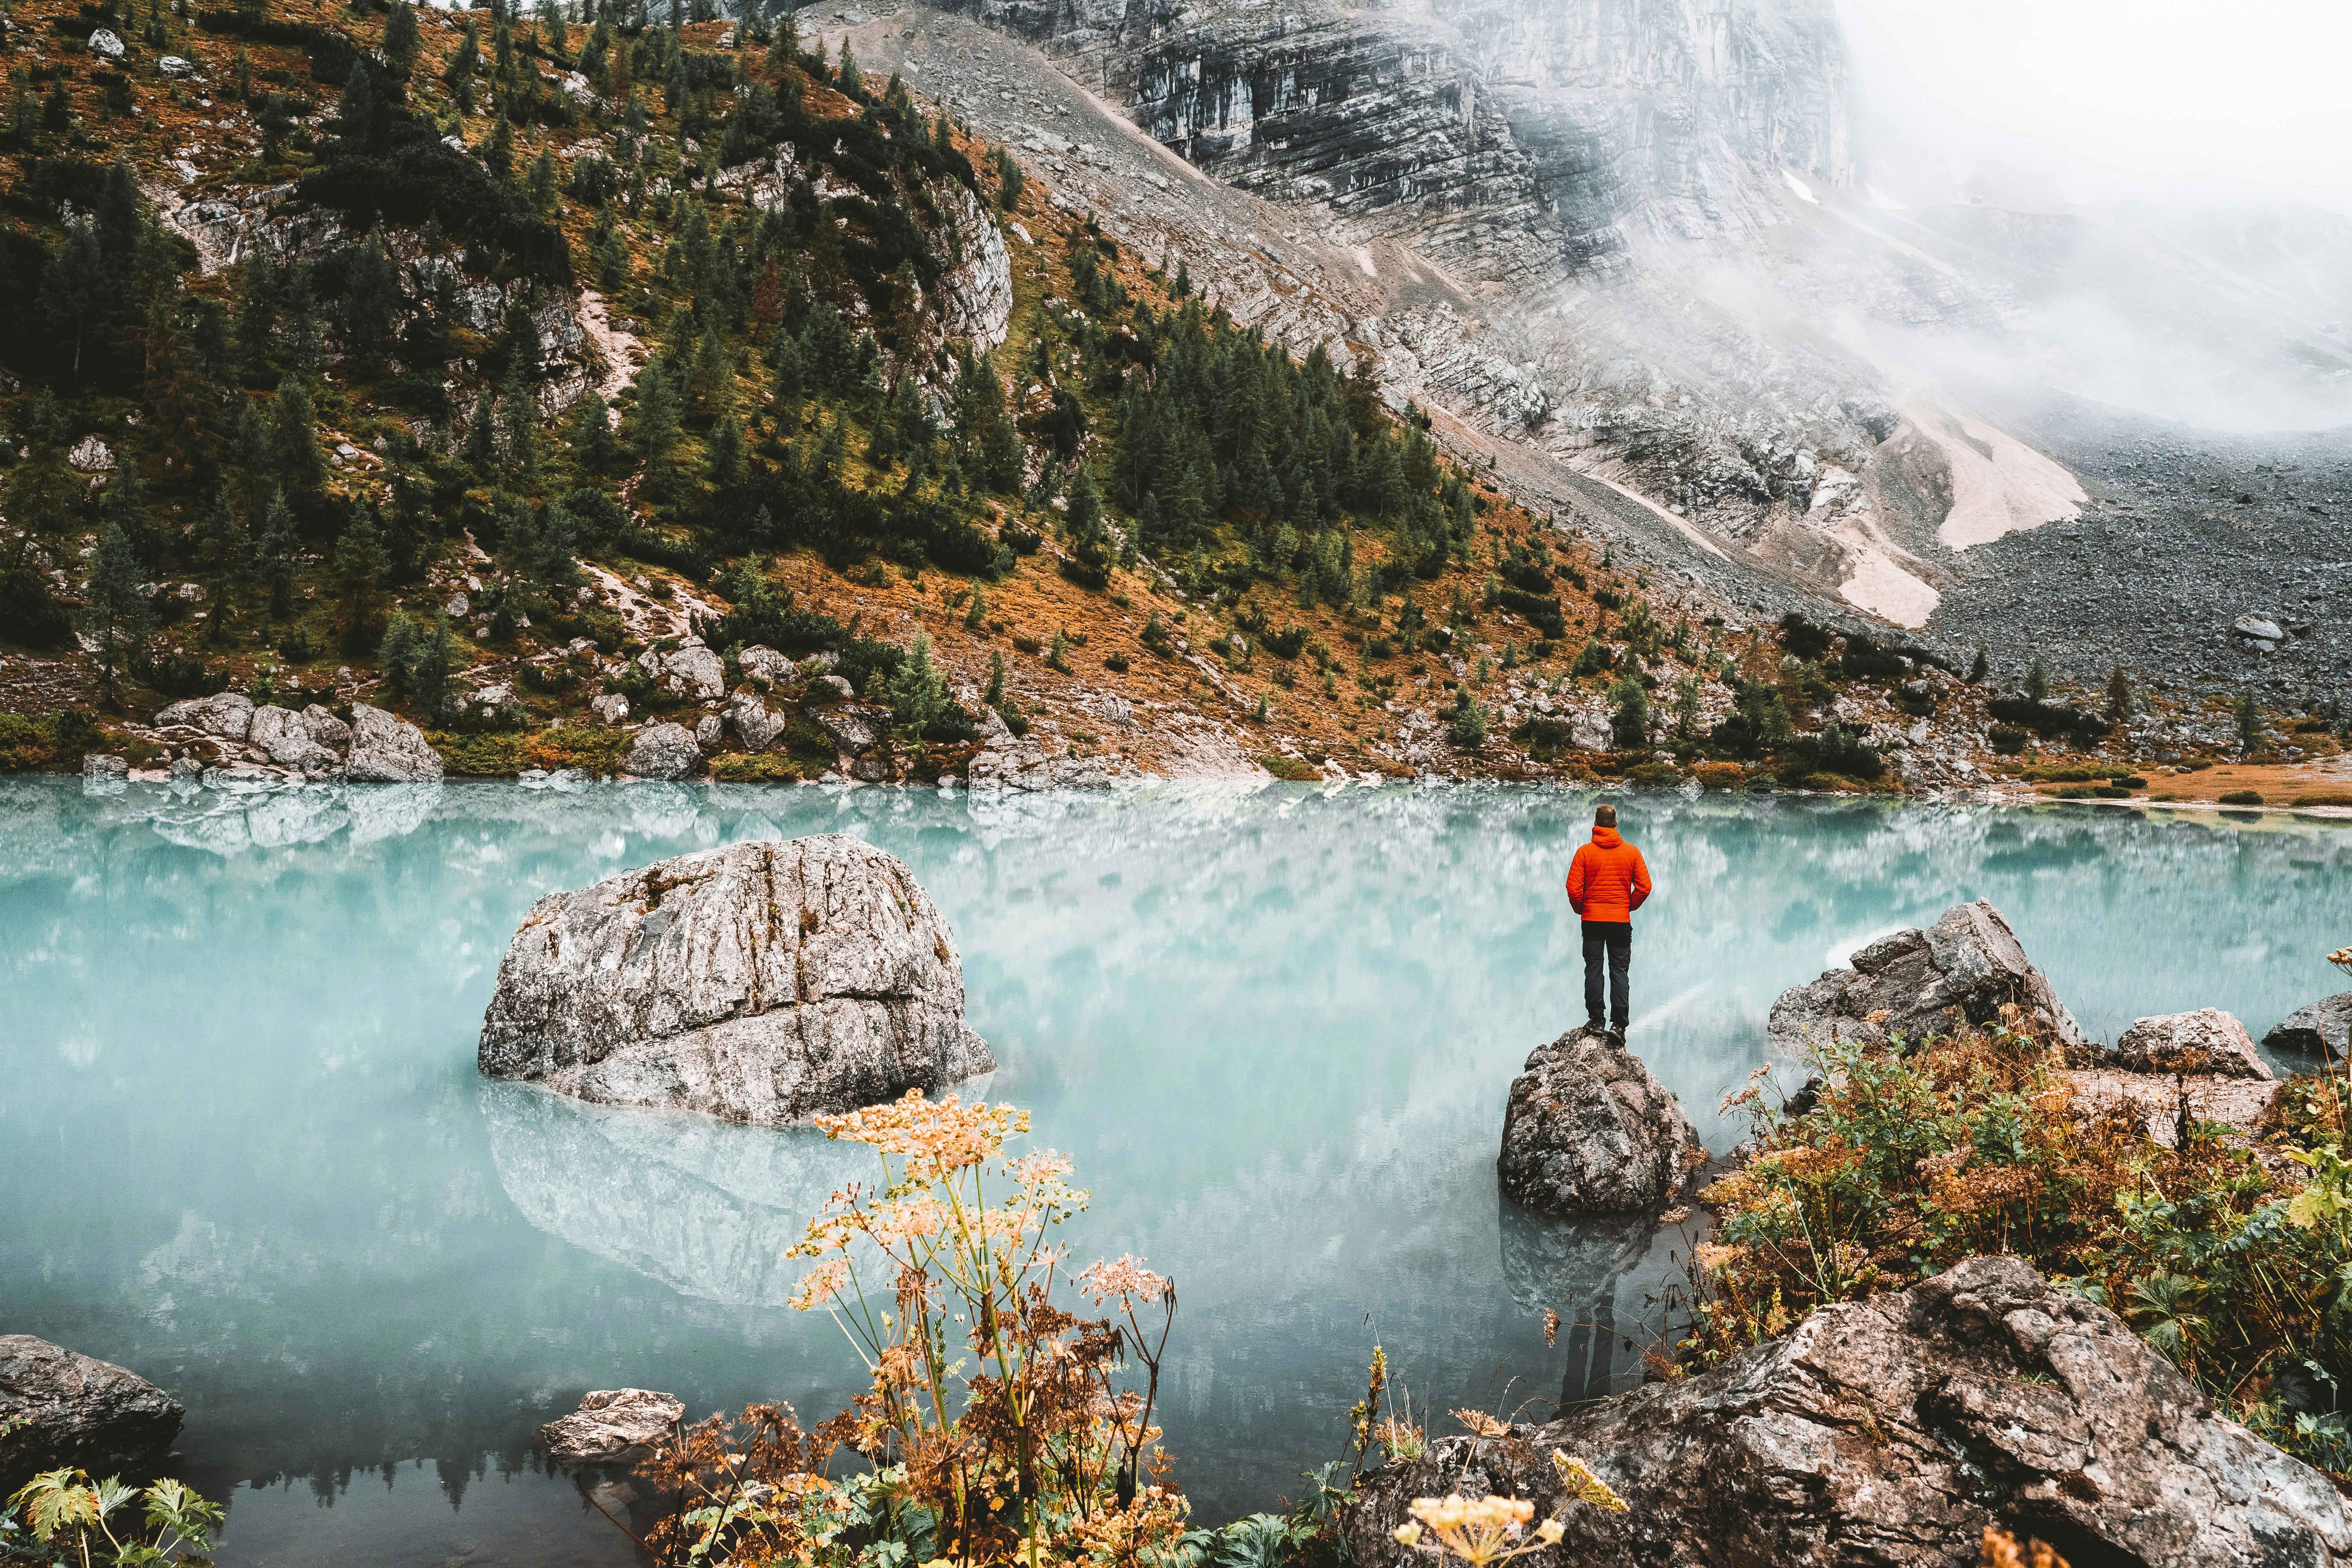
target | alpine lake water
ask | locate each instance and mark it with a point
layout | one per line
(248, 1154)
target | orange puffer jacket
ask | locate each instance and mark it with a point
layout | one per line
(1608, 880)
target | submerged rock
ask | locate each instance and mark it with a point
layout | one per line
(1893, 1431)
(59, 1409)
(613, 1425)
(2322, 1029)
(2207, 1043)
(1590, 1130)
(762, 981)
(1968, 960)
(385, 749)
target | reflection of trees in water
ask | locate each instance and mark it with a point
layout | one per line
(1579, 1266)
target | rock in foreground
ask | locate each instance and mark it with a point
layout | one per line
(760, 983)
(2322, 1029)
(1890, 1432)
(59, 1408)
(2207, 1042)
(1967, 960)
(612, 1427)
(1590, 1130)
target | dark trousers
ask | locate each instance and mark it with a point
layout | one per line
(1616, 939)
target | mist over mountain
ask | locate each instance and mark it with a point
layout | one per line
(1684, 270)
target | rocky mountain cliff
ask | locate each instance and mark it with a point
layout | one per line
(1633, 249)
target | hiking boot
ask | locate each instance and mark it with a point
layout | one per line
(1596, 1026)
(1615, 1036)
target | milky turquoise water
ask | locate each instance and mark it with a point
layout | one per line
(245, 1152)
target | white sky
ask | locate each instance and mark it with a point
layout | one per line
(2098, 100)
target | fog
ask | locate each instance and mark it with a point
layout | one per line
(2034, 102)
(2187, 247)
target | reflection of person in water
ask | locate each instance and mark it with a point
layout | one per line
(1574, 1266)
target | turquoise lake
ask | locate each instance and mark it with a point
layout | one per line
(247, 1153)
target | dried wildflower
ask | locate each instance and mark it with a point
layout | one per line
(1675, 1215)
(1479, 1531)
(1552, 1328)
(1479, 1424)
(1125, 1277)
(2000, 1550)
(1583, 1485)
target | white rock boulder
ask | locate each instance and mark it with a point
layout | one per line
(229, 714)
(761, 983)
(385, 749)
(664, 752)
(613, 1425)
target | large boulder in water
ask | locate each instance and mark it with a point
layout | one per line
(613, 1425)
(1590, 1130)
(2322, 1030)
(59, 1409)
(1890, 1432)
(1968, 960)
(762, 983)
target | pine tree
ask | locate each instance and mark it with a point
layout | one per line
(463, 65)
(274, 554)
(1628, 725)
(358, 568)
(975, 614)
(919, 692)
(400, 43)
(296, 461)
(430, 668)
(1978, 667)
(116, 613)
(397, 653)
(2249, 724)
(996, 697)
(2037, 681)
(2119, 699)
(224, 557)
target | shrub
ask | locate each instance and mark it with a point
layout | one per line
(1719, 775)
(2006, 740)
(2243, 798)
(1763, 784)
(1117, 663)
(1468, 730)
(1802, 638)
(1656, 775)
(2326, 797)
(999, 1424)
(758, 767)
(575, 746)
(1290, 770)
(1836, 750)
(1916, 1156)
(477, 755)
(1542, 611)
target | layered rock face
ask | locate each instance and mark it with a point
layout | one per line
(1910, 983)
(1590, 1130)
(58, 1408)
(760, 983)
(1893, 1431)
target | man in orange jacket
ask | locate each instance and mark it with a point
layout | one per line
(1606, 883)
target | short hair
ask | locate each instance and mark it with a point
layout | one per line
(1604, 816)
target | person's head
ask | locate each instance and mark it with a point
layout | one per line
(1604, 816)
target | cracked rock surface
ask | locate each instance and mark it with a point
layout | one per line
(760, 983)
(1590, 1130)
(1890, 1432)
